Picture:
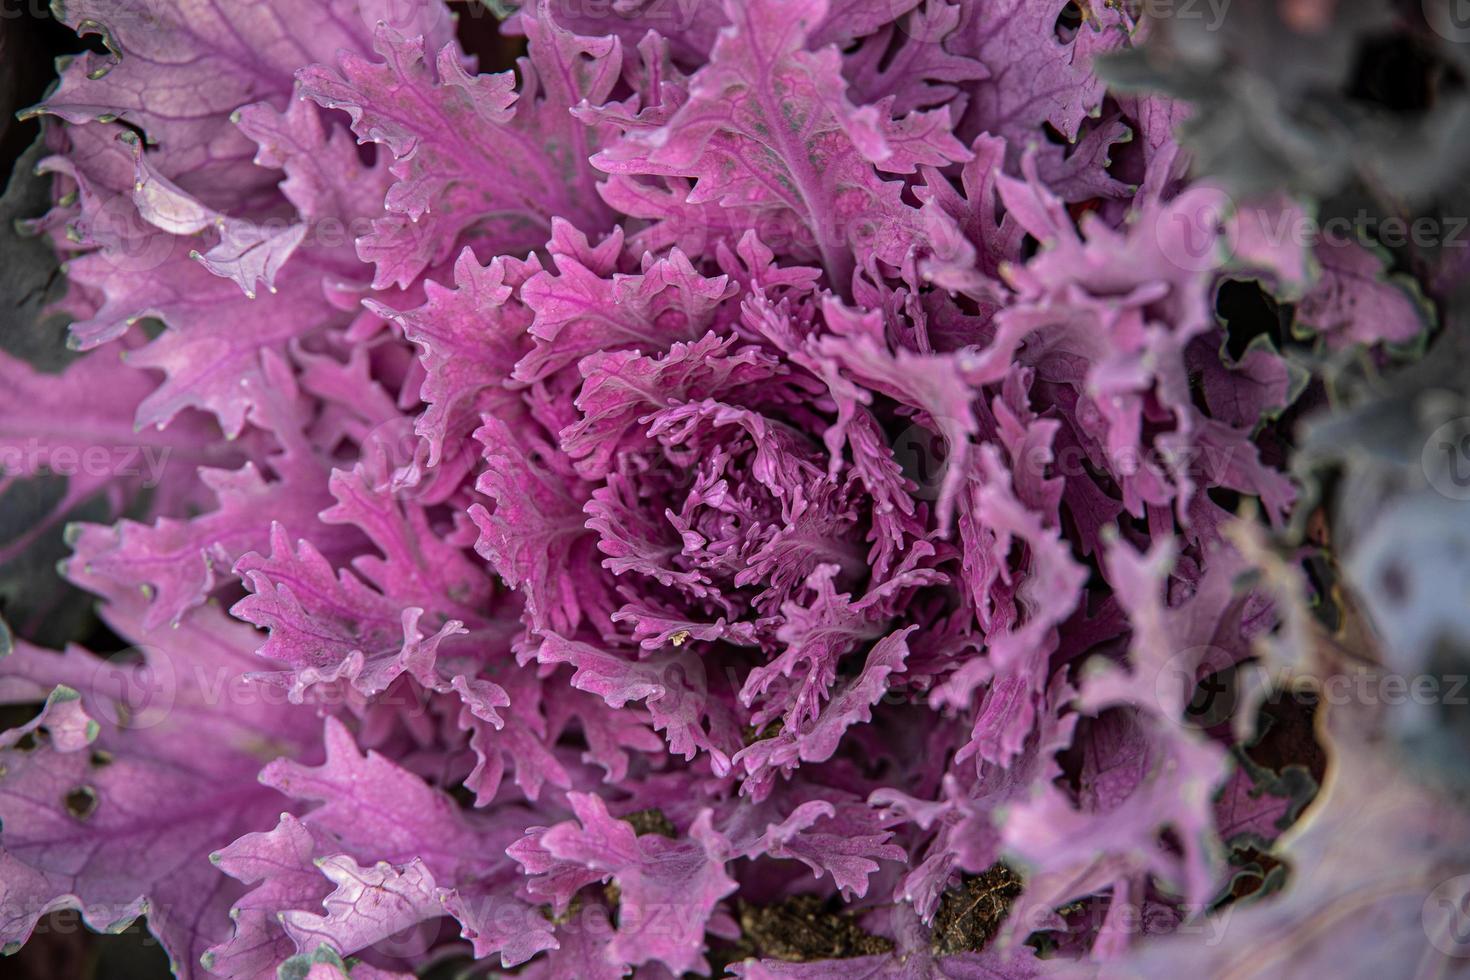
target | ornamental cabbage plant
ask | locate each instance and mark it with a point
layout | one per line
(762, 488)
